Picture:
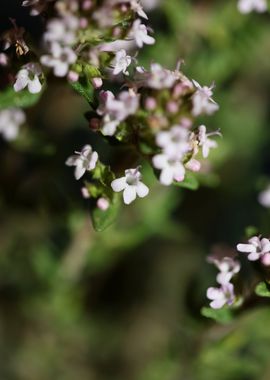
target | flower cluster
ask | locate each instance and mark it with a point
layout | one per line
(152, 112)
(224, 294)
(257, 249)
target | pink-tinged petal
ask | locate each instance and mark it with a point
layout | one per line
(79, 170)
(255, 241)
(119, 184)
(218, 303)
(11, 132)
(148, 40)
(72, 160)
(245, 248)
(224, 277)
(179, 173)
(265, 245)
(166, 177)
(213, 293)
(34, 86)
(142, 190)
(266, 259)
(253, 256)
(160, 161)
(60, 69)
(22, 81)
(47, 60)
(129, 194)
(92, 163)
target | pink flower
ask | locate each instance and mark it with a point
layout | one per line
(256, 248)
(221, 296)
(202, 100)
(83, 161)
(28, 77)
(140, 34)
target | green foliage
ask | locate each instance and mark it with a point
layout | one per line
(102, 219)
(83, 86)
(10, 98)
(190, 182)
(262, 289)
(223, 315)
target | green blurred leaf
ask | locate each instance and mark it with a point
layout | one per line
(262, 290)
(83, 88)
(23, 99)
(102, 219)
(223, 315)
(190, 182)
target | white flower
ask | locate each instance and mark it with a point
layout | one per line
(116, 110)
(84, 160)
(121, 62)
(131, 184)
(171, 168)
(264, 197)
(175, 141)
(160, 77)
(202, 101)
(136, 7)
(28, 77)
(60, 59)
(204, 142)
(247, 6)
(227, 266)
(62, 30)
(10, 121)
(221, 296)
(140, 34)
(256, 249)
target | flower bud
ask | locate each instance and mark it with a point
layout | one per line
(73, 76)
(97, 82)
(150, 103)
(103, 204)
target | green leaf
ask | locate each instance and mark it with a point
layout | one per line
(22, 99)
(223, 315)
(84, 88)
(102, 219)
(262, 290)
(190, 182)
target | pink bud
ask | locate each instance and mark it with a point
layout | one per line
(85, 193)
(103, 204)
(186, 122)
(3, 59)
(83, 23)
(193, 165)
(266, 259)
(97, 82)
(172, 107)
(150, 103)
(87, 4)
(73, 76)
(117, 31)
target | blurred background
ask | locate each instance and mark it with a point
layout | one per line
(125, 303)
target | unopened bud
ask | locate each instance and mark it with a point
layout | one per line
(97, 82)
(103, 204)
(73, 76)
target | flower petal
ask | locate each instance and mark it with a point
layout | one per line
(129, 194)
(34, 86)
(142, 190)
(119, 184)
